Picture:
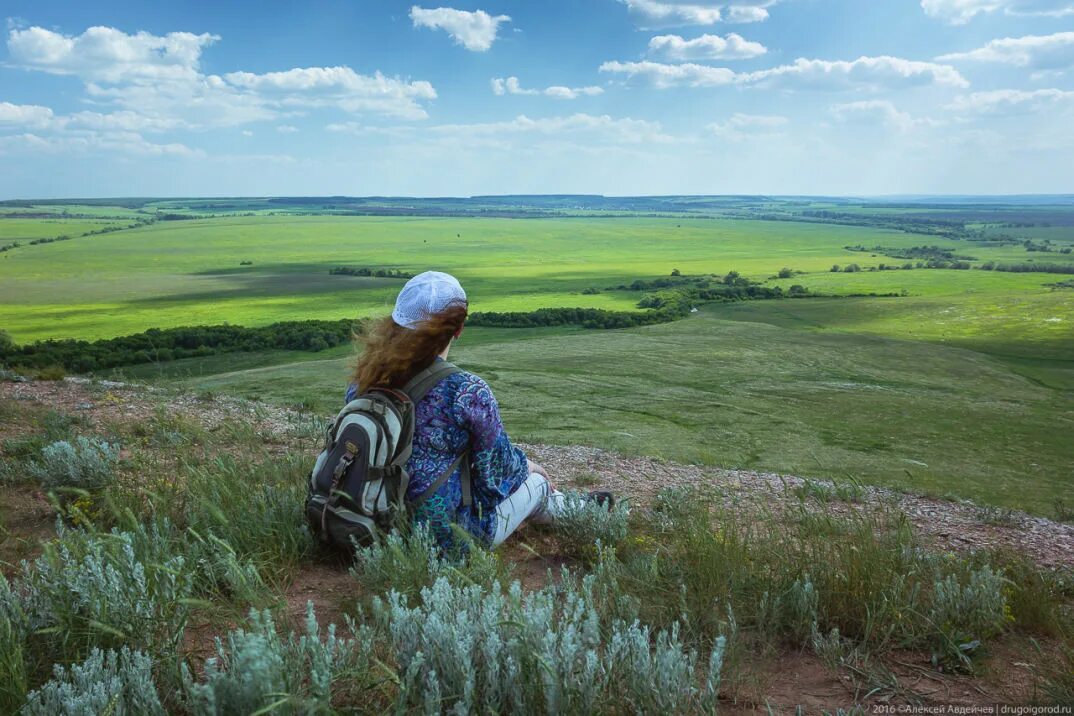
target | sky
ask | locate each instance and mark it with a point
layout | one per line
(614, 97)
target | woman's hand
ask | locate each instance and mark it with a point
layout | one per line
(536, 468)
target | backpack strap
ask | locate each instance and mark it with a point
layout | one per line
(420, 385)
(464, 462)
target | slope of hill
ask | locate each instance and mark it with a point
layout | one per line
(204, 467)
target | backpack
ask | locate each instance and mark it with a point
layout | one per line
(358, 486)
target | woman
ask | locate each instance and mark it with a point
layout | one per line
(459, 413)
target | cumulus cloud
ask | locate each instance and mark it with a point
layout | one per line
(879, 111)
(741, 14)
(674, 13)
(1041, 52)
(337, 86)
(24, 115)
(105, 54)
(511, 85)
(476, 31)
(874, 72)
(706, 47)
(156, 84)
(959, 12)
(1010, 100)
(883, 71)
(663, 75)
(741, 126)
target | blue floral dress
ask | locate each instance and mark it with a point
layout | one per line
(459, 412)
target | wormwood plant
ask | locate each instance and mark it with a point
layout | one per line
(258, 671)
(120, 684)
(488, 650)
(966, 614)
(92, 589)
(88, 463)
(582, 524)
(407, 559)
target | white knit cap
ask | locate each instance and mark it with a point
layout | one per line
(426, 294)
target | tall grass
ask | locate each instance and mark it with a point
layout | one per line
(255, 506)
(865, 575)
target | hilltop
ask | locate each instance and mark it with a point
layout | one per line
(161, 431)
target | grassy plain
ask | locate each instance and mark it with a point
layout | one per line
(751, 395)
(188, 272)
(963, 385)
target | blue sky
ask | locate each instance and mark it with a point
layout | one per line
(860, 97)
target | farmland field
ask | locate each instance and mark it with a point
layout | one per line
(957, 380)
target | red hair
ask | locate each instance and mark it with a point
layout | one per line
(392, 354)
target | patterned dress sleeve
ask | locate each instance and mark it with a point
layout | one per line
(497, 466)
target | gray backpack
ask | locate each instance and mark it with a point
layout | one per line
(358, 485)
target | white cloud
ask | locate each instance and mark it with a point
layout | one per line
(746, 13)
(476, 31)
(1042, 52)
(603, 127)
(669, 14)
(105, 54)
(127, 143)
(706, 47)
(741, 126)
(156, 83)
(511, 85)
(883, 71)
(664, 75)
(24, 115)
(873, 72)
(1010, 100)
(879, 111)
(674, 13)
(338, 86)
(959, 12)
(286, 129)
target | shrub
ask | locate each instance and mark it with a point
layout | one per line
(87, 464)
(487, 650)
(120, 684)
(51, 372)
(966, 614)
(582, 524)
(258, 671)
(786, 272)
(101, 590)
(409, 559)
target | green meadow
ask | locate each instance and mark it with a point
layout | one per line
(960, 384)
(189, 272)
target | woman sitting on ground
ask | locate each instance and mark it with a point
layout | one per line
(458, 414)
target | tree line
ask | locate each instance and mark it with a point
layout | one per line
(362, 271)
(165, 344)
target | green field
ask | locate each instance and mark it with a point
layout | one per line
(964, 384)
